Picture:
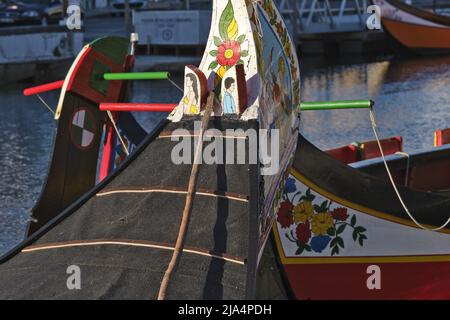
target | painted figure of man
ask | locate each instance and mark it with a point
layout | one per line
(229, 105)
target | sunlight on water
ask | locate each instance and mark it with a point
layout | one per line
(412, 99)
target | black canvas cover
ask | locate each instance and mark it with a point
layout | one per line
(114, 238)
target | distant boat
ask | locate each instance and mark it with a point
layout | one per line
(415, 28)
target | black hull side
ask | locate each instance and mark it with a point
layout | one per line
(366, 190)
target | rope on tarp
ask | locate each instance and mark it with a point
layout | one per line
(375, 131)
(189, 201)
(202, 192)
(131, 243)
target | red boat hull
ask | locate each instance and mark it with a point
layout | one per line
(418, 36)
(426, 280)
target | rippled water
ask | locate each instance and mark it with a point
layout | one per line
(412, 100)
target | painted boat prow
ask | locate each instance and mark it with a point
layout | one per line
(249, 45)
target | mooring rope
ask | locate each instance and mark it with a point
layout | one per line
(374, 128)
(189, 201)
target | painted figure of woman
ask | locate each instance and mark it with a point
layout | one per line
(190, 100)
(229, 106)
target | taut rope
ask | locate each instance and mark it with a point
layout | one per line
(189, 201)
(374, 128)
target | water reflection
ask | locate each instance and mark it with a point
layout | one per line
(412, 100)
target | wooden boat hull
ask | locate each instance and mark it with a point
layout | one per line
(414, 28)
(423, 280)
(419, 37)
(342, 234)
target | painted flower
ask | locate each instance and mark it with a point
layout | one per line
(303, 232)
(318, 243)
(229, 53)
(284, 216)
(339, 214)
(303, 211)
(321, 222)
(290, 187)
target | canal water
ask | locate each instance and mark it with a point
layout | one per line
(412, 100)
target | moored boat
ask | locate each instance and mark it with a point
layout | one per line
(416, 29)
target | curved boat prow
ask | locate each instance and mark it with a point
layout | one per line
(73, 168)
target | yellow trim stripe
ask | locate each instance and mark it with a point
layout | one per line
(358, 207)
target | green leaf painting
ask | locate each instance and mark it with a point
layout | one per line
(225, 20)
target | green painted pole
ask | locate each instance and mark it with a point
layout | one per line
(333, 105)
(136, 76)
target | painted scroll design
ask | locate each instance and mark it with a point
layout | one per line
(276, 21)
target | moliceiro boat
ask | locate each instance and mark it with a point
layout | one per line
(121, 227)
(417, 29)
(152, 226)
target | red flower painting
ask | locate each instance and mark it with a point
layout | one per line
(303, 232)
(339, 214)
(285, 216)
(229, 53)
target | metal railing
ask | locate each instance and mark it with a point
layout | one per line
(303, 13)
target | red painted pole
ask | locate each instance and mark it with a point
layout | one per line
(149, 107)
(108, 151)
(43, 88)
